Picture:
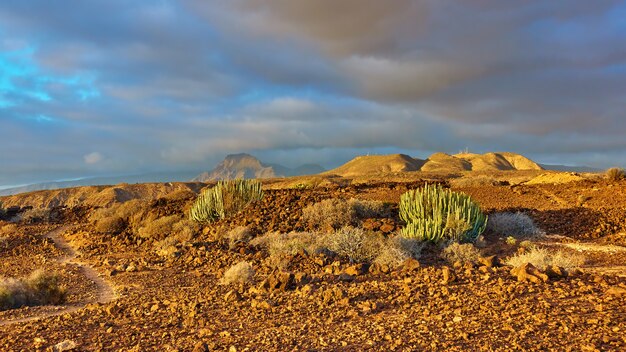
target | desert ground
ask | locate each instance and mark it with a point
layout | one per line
(138, 275)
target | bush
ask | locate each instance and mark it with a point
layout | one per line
(237, 235)
(439, 215)
(3, 212)
(159, 228)
(517, 225)
(353, 243)
(333, 214)
(225, 199)
(241, 272)
(464, 253)
(181, 233)
(397, 249)
(543, 258)
(280, 245)
(36, 215)
(616, 174)
(112, 225)
(116, 218)
(40, 288)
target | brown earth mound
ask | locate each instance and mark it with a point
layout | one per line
(377, 164)
(555, 178)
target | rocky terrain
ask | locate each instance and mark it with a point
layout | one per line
(124, 293)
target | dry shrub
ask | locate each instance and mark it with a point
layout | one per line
(116, 218)
(159, 228)
(35, 215)
(397, 249)
(238, 234)
(182, 233)
(353, 243)
(112, 225)
(460, 252)
(542, 258)
(517, 225)
(335, 213)
(280, 245)
(615, 174)
(241, 272)
(40, 288)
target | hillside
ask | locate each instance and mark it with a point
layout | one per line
(438, 162)
(244, 166)
(376, 164)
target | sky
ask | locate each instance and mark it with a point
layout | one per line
(115, 87)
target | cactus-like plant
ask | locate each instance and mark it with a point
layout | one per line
(437, 215)
(226, 198)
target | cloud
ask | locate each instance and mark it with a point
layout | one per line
(179, 84)
(93, 158)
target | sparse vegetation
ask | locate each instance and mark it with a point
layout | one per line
(116, 218)
(225, 199)
(543, 258)
(3, 212)
(517, 225)
(460, 252)
(241, 272)
(333, 214)
(616, 174)
(396, 250)
(35, 215)
(181, 233)
(239, 234)
(353, 243)
(40, 288)
(280, 245)
(440, 215)
(159, 228)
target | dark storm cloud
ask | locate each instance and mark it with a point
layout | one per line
(119, 86)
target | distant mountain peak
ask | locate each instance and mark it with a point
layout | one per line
(246, 166)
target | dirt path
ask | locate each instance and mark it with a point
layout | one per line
(104, 289)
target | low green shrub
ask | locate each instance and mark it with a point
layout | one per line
(225, 199)
(440, 215)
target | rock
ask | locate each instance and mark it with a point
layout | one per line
(279, 281)
(131, 268)
(528, 272)
(201, 347)
(555, 272)
(387, 228)
(232, 296)
(345, 277)
(490, 261)
(616, 291)
(448, 275)
(410, 264)
(67, 345)
(355, 270)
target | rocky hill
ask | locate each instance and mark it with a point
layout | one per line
(376, 164)
(438, 162)
(243, 165)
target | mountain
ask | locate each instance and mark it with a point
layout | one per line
(438, 162)
(243, 165)
(375, 164)
(96, 181)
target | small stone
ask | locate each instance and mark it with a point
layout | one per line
(201, 347)
(410, 264)
(67, 345)
(457, 319)
(345, 277)
(490, 261)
